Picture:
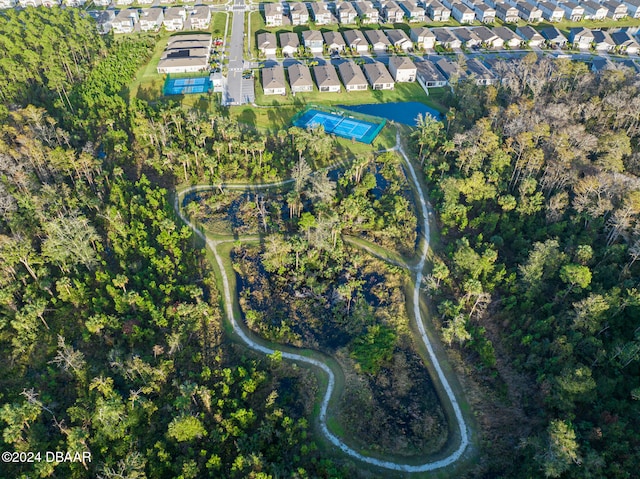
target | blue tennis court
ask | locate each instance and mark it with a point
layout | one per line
(185, 86)
(345, 127)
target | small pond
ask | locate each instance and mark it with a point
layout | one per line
(403, 112)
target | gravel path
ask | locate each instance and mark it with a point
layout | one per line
(259, 346)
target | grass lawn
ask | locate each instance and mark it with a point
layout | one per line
(565, 25)
(218, 23)
(283, 108)
(148, 82)
(402, 92)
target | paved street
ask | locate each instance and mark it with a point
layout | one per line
(234, 94)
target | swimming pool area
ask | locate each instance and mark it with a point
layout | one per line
(340, 125)
(185, 86)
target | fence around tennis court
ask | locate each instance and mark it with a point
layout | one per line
(184, 85)
(345, 124)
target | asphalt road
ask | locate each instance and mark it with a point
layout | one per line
(233, 94)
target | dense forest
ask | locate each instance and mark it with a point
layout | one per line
(536, 281)
(111, 330)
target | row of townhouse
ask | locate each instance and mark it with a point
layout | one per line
(4, 4)
(464, 11)
(152, 19)
(453, 38)
(335, 42)
(603, 41)
(374, 75)
(444, 72)
(366, 12)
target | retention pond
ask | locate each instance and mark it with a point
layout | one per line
(403, 112)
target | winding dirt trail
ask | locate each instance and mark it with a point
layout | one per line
(259, 345)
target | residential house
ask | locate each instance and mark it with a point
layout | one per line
(553, 37)
(273, 81)
(602, 41)
(199, 19)
(593, 10)
(528, 12)
(51, 3)
(7, 4)
(104, 20)
(615, 10)
(551, 12)
(507, 13)
(581, 38)
(321, 14)
(140, 2)
(119, 3)
(447, 39)
(392, 13)
(484, 13)
(630, 64)
(530, 36)
(437, 12)
(412, 11)
(272, 14)
(367, 13)
(451, 70)
(352, 77)
(399, 39)
(600, 64)
(312, 39)
(346, 13)
(300, 78)
(402, 69)
(174, 18)
(508, 36)
(467, 37)
(625, 43)
(326, 78)
(125, 21)
(356, 41)
(151, 19)
(462, 13)
(334, 41)
(378, 40)
(572, 11)
(298, 13)
(429, 76)
(633, 8)
(68, 3)
(266, 43)
(489, 38)
(480, 73)
(289, 43)
(378, 76)
(99, 3)
(423, 38)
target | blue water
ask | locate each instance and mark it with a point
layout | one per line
(404, 112)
